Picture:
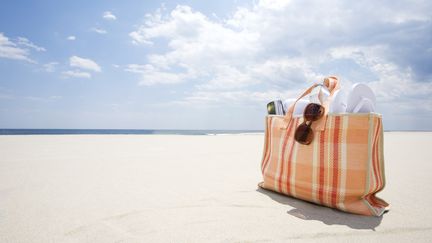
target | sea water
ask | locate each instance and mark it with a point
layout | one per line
(123, 131)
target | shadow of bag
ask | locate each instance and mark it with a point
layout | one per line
(342, 168)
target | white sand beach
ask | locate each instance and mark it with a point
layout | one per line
(174, 188)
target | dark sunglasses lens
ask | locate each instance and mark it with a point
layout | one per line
(313, 112)
(303, 134)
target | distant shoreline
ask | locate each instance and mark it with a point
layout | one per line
(142, 132)
(123, 132)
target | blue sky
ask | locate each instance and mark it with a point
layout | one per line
(205, 64)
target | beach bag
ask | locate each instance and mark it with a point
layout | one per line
(343, 166)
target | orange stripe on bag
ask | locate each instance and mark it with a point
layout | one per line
(267, 146)
(321, 168)
(289, 163)
(375, 160)
(335, 162)
(283, 154)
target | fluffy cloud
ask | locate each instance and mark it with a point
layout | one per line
(11, 50)
(274, 46)
(151, 75)
(109, 16)
(99, 31)
(76, 74)
(136, 68)
(71, 38)
(25, 42)
(50, 67)
(84, 63)
(235, 97)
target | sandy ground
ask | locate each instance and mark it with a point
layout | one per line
(163, 188)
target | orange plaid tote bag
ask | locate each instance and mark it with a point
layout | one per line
(343, 166)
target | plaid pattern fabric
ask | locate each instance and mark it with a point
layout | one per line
(342, 168)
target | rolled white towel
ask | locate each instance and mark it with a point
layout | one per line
(360, 98)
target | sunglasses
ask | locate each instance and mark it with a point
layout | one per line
(304, 133)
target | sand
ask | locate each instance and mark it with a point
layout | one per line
(167, 188)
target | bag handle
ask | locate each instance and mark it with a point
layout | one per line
(332, 83)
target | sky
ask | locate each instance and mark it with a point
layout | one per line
(206, 64)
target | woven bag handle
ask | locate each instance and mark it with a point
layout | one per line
(332, 83)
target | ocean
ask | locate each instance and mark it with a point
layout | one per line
(123, 131)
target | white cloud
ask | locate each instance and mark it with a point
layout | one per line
(197, 46)
(76, 74)
(40, 98)
(277, 5)
(136, 68)
(71, 38)
(99, 31)
(10, 50)
(50, 67)
(218, 53)
(151, 75)
(236, 97)
(391, 82)
(274, 44)
(25, 42)
(227, 77)
(84, 63)
(109, 16)
(275, 49)
(81, 63)
(158, 77)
